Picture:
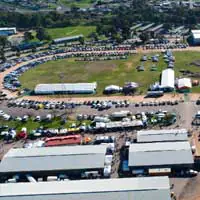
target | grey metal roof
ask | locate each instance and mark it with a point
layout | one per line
(54, 158)
(156, 28)
(56, 151)
(68, 38)
(143, 28)
(162, 135)
(162, 153)
(66, 87)
(155, 188)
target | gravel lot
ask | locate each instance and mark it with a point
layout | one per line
(184, 188)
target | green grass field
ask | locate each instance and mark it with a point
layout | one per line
(78, 3)
(31, 124)
(107, 72)
(71, 31)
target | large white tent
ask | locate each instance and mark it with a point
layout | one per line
(168, 79)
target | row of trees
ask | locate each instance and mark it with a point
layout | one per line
(115, 24)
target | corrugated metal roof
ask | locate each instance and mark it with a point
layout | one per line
(162, 153)
(68, 38)
(168, 78)
(66, 87)
(162, 135)
(56, 151)
(54, 158)
(108, 189)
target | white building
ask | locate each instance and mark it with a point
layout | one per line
(8, 31)
(184, 83)
(168, 80)
(66, 88)
(195, 37)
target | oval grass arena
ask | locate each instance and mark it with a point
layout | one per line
(112, 72)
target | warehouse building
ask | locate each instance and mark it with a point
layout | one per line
(5, 31)
(167, 80)
(51, 161)
(67, 39)
(66, 88)
(155, 188)
(164, 135)
(174, 155)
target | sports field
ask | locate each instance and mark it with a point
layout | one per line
(108, 72)
(71, 31)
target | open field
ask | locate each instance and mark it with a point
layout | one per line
(71, 31)
(107, 72)
(78, 3)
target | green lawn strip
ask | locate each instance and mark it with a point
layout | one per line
(71, 31)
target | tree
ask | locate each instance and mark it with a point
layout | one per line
(42, 34)
(117, 37)
(144, 37)
(81, 40)
(3, 41)
(94, 36)
(18, 53)
(2, 55)
(28, 36)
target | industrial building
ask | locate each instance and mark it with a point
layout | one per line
(5, 31)
(67, 39)
(168, 80)
(66, 88)
(174, 155)
(51, 161)
(145, 188)
(195, 37)
(164, 135)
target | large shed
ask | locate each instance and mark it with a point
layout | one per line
(164, 135)
(168, 80)
(177, 155)
(68, 39)
(154, 188)
(47, 161)
(66, 88)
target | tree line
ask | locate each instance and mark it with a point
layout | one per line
(115, 24)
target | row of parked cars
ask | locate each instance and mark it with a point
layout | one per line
(12, 82)
(30, 104)
(108, 47)
(166, 46)
(119, 57)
